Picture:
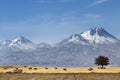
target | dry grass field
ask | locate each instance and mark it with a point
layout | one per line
(49, 73)
(37, 69)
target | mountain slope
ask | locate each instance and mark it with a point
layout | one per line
(92, 36)
(98, 35)
(22, 43)
(77, 50)
(18, 43)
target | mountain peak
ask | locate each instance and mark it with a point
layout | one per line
(98, 35)
(99, 31)
(22, 43)
(5, 42)
(21, 39)
(76, 38)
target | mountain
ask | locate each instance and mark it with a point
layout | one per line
(92, 36)
(75, 38)
(18, 43)
(44, 45)
(74, 51)
(22, 43)
(98, 35)
(6, 42)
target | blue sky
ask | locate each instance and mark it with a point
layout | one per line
(54, 20)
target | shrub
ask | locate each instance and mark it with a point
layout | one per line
(9, 72)
(35, 68)
(17, 71)
(55, 67)
(5, 68)
(30, 68)
(46, 68)
(25, 66)
(90, 69)
(64, 69)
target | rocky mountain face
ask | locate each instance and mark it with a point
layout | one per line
(74, 51)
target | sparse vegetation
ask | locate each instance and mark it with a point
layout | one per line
(25, 66)
(5, 68)
(17, 70)
(64, 69)
(30, 68)
(40, 73)
(90, 69)
(35, 68)
(46, 68)
(9, 72)
(55, 67)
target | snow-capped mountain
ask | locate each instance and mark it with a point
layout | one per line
(98, 35)
(6, 42)
(74, 51)
(19, 43)
(92, 36)
(22, 43)
(75, 38)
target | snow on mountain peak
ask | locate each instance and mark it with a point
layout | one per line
(99, 31)
(98, 35)
(94, 35)
(74, 37)
(22, 43)
(77, 38)
(21, 40)
(6, 42)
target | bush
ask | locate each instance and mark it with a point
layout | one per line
(46, 68)
(30, 68)
(90, 69)
(9, 72)
(25, 66)
(64, 69)
(35, 68)
(55, 67)
(5, 68)
(17, 71)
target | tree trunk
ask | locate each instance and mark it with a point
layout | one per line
(102, 67)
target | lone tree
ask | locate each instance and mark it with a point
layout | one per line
(102, 60)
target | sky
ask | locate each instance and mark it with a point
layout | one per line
(54, 20)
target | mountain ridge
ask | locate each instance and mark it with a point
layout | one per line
(92, 36)
(19, 42)
(74, 51)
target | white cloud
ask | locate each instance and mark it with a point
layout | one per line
(97, 2)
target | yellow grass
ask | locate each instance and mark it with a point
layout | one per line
(58, 70)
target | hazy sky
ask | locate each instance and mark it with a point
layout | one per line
(54, 20)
